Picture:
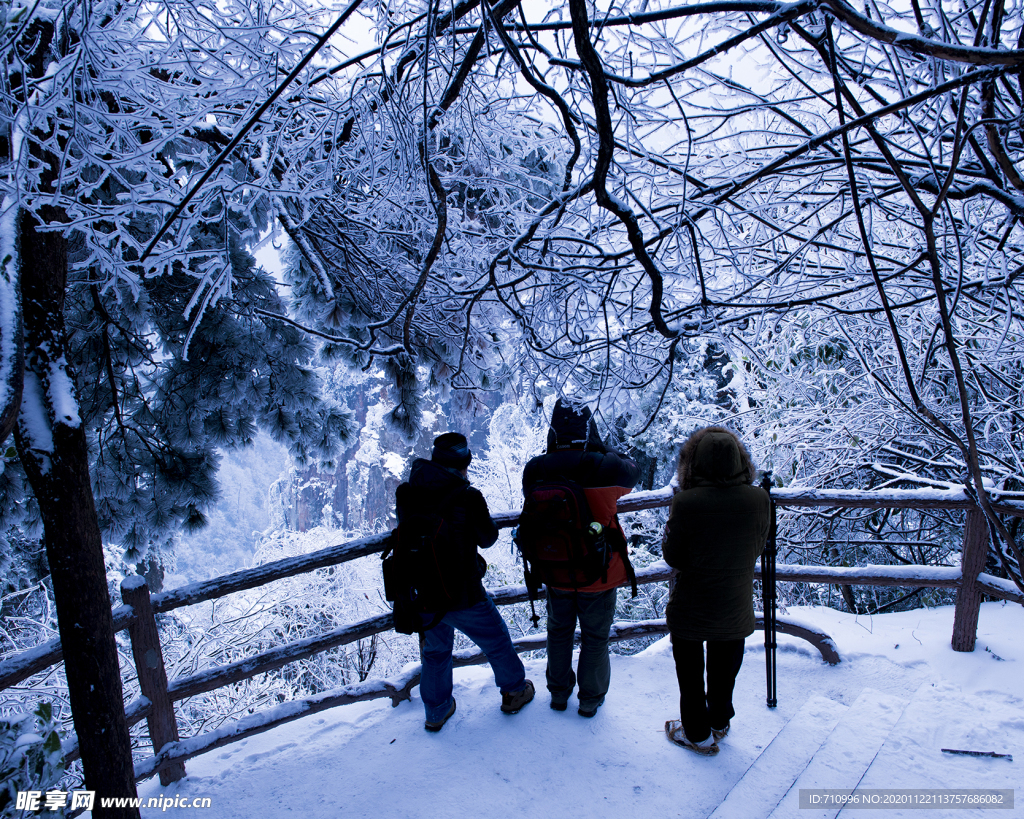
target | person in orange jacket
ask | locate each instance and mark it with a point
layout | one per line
(576, 452)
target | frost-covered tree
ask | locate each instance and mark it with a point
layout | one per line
(139, 357)
(571, 198)
(744, 173)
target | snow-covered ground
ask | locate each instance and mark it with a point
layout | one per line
(914, 696)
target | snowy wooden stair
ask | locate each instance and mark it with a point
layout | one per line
(940, 715)
(825, 745)
(846, 754)
(771, 774)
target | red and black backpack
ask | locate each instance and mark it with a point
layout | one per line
(561, 543)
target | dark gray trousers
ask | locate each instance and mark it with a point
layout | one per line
(595, 612)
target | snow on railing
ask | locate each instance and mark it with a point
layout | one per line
(244, 579)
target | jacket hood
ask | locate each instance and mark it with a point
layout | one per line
(714, 456)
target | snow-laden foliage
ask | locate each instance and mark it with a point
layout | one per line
(236, 522)
(570, 198)
(126, 106)
(831, 196)
(30, 757)
(514, 437)
(173, 354)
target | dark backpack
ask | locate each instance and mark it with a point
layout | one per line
(424, 568)
(561, 543)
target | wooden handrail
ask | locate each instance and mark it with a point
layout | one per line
(24, 665)
(245, 579)
(787, 497)
(908, 576)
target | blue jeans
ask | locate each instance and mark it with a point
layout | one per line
(595, 612)
(484, 626)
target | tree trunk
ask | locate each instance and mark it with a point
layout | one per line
(52, 445)
(851, 602)
(968, 598)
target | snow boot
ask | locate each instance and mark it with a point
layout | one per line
(437, 726)
(674, 731)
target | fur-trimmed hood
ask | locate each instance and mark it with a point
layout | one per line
(714, 456)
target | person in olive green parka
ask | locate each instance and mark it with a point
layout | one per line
(715, 534)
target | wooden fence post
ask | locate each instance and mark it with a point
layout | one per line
(149, 661)
(968, 598)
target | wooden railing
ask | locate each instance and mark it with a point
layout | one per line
(158, 694)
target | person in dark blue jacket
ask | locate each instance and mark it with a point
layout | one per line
(439, 483)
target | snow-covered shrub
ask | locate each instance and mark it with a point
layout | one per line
(30, 757)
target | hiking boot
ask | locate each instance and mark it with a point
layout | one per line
(437, 726)
(674, 731)
(720, 733)
(559, 705)
(513, 701)
(589, 713)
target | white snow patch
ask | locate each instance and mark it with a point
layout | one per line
(35, 420)
(560, 766)
(62, 394)
(133, 582)
(8, 297)
(936, 573)
(395, 464)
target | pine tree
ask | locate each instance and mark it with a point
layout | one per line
(134, 374)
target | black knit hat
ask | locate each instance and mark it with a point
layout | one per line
(573, 428)
(451, 449)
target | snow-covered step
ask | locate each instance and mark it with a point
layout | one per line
(940, 715)
(770, 776)
(846, 754)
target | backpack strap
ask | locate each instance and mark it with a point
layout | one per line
(623, 550)
(532, 588)
(630, 573)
